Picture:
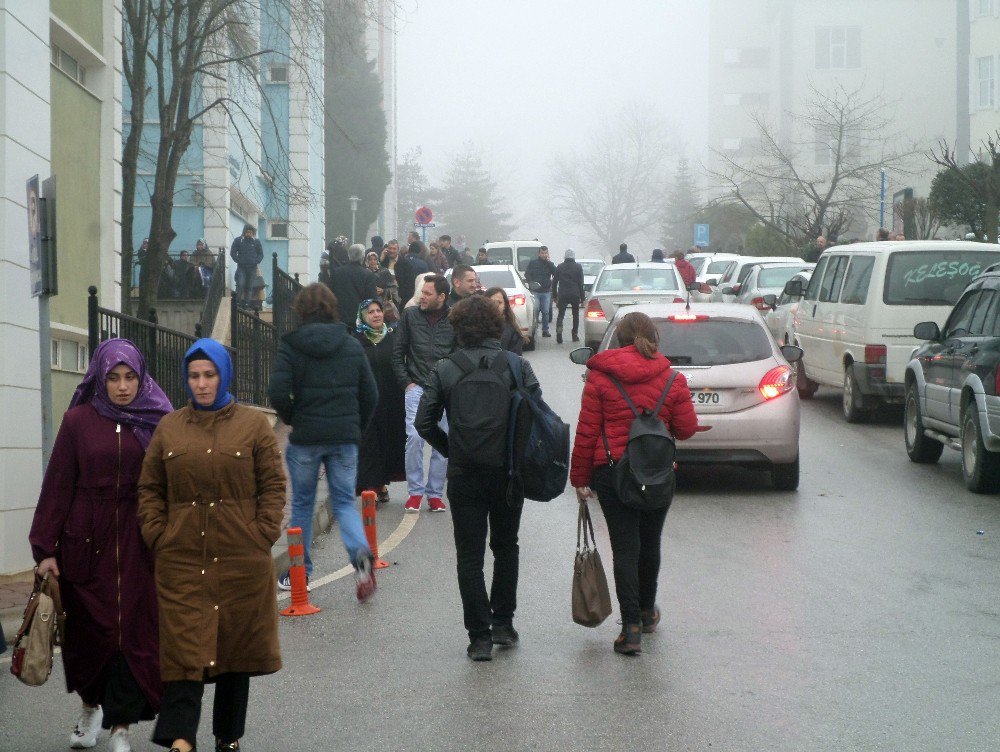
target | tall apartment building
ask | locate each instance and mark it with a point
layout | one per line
(766, 55)
(984, 71)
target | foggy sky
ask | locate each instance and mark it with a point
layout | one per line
(526, 78)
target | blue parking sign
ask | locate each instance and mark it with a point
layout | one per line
(701, 236)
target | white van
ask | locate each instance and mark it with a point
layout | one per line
(855, 320)
(518, 253)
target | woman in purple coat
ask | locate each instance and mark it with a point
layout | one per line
(85, 531)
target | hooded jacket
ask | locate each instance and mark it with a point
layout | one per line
(567, 285)
(604, 408)
(322, 385)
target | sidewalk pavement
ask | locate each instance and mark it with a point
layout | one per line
(15, 589)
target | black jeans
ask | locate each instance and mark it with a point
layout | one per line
(118, 694)
(575, 305)
(635, 547)
(181, 710)
(478, 498)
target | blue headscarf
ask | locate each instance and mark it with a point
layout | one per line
(209, 349)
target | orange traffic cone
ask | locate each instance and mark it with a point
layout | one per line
(297, 574)
(371, 529)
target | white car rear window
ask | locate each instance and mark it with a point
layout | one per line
(497, 278)
(715, 342)
(637, 280)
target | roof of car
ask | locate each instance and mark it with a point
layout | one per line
(718, 310)
(640, 265)
(888, 246)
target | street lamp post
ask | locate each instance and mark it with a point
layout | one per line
(354, 214)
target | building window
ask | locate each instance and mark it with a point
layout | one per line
(69, 65)
(277, 230)
(985, 8)
(277, 73)
(985, 84)
(82, 359)
(56, 354)
(838, 47)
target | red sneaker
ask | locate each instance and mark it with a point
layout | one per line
(413, 504)
(435, 504)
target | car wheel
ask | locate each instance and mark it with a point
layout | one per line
(786, 477)
(853, 401)
(980, 466)
(919, 447)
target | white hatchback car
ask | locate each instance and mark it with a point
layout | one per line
(522, 301)
(742, 386)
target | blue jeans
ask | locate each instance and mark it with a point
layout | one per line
(245, 276)
(543, 302)
(415, 486)
(341, 463)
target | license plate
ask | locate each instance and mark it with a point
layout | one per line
(706, 398)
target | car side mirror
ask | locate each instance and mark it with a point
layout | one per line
(534, 286)
(791, 353)
(729, 291)
(793, 288)
(927, 330)
(694, 287)
(581, 355)
(713, 281)
(771, 301)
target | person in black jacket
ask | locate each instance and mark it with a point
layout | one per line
(423, 336)
(247, 252)
(477, 489)
(401, 269)
(567, 290)
(322, 386)
(623, 256)
(511, 339)
(351, 283)
(542, 270)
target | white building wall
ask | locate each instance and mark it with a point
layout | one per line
(984, 74)
(380, 38)
(24, 151)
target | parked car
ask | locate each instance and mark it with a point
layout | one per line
(621, 285)
(522, 302)
(768, 279)
(742, 386)
(952, 386)
(518, 253)
(780, 315)
(591, 268)
(715, 265)
(731, 282)
(856, 319)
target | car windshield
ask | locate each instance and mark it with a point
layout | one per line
(591, 268)
(496, 278)
(698, 263)
(500, 255)
(626, 280)
(715, 342)
(718, 267)
(938, 278)
(776, 276)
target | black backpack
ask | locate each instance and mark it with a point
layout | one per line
(644, 476)
(479, 407)
(538, 443)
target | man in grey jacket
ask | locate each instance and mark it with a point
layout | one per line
(423, 336)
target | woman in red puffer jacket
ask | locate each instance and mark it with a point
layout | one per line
(635, 535)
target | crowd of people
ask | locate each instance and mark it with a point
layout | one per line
(190, 502)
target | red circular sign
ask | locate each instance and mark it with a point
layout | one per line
(424, 215)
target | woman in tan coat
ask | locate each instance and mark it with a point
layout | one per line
(211, 498)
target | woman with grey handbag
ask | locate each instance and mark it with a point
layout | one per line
(638, 369)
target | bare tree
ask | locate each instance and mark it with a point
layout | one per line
(616, 187)
(824, 174)
(925, 219)
(984, 182)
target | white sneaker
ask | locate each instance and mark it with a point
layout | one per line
(84, 736)
(120, 741)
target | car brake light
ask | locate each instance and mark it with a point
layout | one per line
(594, 310)
(760, 305)
(679, 300)
(517, 300)
(706, 288)
(776, 382)
(686, 318)
(736, 289)
(875, 359)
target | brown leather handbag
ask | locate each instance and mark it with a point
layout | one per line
(41, 630)
(591, 599)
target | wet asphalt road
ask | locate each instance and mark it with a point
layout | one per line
(860, 613)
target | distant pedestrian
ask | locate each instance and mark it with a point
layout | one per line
(371, 262)
(246, 252)
(324, 277)
(86, 532)
(881, 235)
(464, 282)
(643, 373)
(623, 256)
(211, 498)
(687, 271)
(414, 254)
(436, 259)
(351, 283)
(382, 453)
(542, 271)
(450, 253)
(478, 476)
(378, 245)
(482, 257)
(657, 256)
(511, 339)
(204, 262)
(568, 291)
(423, 337)
(322, 386)
(401, 269)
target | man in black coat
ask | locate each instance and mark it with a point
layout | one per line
(623, 256)
(542, 270)
(401, 269)
(352, 283)
(247, 252)
(567, 290)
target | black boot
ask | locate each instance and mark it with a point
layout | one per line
(558, 336)
(629, 642)
(576, 337)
